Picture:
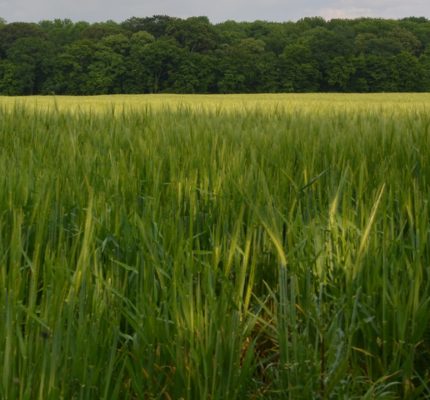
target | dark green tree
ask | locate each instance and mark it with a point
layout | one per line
(156, 25)
(168, 54)
(380, 73)
(100, 30)
(195, 33)
(409, 73)
(156, 61)
(28, 64)
(72, 69)
(9, 33)
(107, 71)
(340, 72)
(62, 32)
(424, 61)
(245, 67)
(137, 75)
(195, 74)
(299, 70)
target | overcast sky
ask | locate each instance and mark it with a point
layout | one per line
(216, 10)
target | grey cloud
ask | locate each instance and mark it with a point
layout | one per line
(216, 10)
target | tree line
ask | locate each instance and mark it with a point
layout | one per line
(165, 54)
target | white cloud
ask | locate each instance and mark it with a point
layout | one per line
(372, 8)
(334, 13)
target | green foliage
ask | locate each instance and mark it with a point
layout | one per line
(156, 25)
(424, 61)
(299, 70)
(167, 54)
(28, 64)
(339, 73)
(62, 32)
(73, 66)
(9, 33)
(157, 63)
(195, 33)
(243, 67)
(100, 30)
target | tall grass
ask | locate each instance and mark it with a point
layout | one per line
(167, 254)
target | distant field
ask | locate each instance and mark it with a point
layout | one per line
(215, 247)
(301, 102)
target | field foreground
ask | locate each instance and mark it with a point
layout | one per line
(210, 247)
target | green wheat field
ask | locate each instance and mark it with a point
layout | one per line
(215, 247)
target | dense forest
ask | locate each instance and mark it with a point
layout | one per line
(167, 54)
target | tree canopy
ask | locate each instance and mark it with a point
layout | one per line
(167, 54)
